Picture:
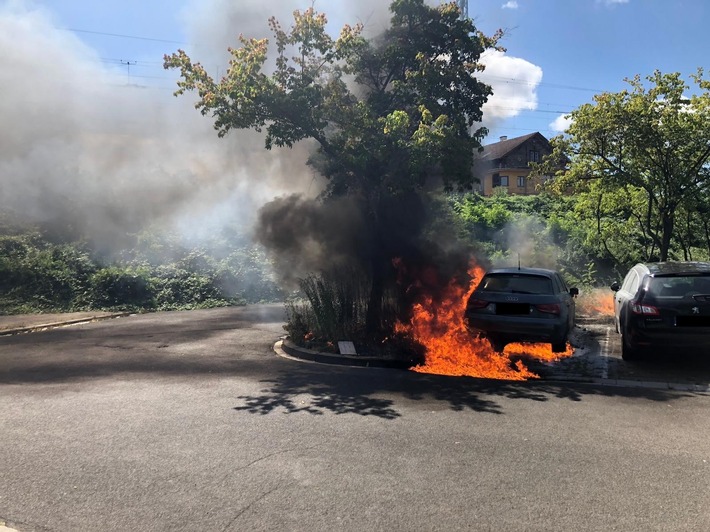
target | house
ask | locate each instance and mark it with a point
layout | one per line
(505, 164)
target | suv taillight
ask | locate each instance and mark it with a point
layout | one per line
(644, 309)
(549, 308)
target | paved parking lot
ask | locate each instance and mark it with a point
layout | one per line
(189, 421)
(597, 358)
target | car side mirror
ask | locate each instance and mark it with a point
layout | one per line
(615, 286)
(574, 292)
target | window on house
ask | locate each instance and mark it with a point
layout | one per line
(504, 181)
(496, 180)
(534, 156)
(521, 181)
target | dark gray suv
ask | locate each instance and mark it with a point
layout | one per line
(522, 305)
(663, 305)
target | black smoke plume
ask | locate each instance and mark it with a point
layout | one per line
(419, 254)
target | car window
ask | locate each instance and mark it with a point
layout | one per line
(629, 280)
(635, 281)
(679, 286)
(516, 282)
(563, 284)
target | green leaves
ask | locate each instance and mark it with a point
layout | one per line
(652, 140)
(158, 274)
(385, 112)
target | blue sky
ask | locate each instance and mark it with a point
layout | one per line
(89, 138)
(581, 46)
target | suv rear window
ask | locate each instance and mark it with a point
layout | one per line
(516, 282)
(679, 286)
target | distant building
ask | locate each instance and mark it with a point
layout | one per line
(506, 164)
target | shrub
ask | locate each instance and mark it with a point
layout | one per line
(118, 288)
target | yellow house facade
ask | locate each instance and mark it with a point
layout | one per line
(506, 164)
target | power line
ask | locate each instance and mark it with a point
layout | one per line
(124, 36)
(145, 64)
(461, 3)
(530, 83)
(529, 110)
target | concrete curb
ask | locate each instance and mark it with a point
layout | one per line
(293, 351)
(63, 323)
(287, 349)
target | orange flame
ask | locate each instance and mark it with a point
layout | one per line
(451, 349)
(598, 301)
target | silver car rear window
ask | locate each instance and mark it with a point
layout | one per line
(515, 282)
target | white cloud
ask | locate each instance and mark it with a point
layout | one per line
(514, 81)
(561, 123)
(511, 4)
(612, 2)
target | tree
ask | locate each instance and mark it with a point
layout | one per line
(387, 113)
(650, 141)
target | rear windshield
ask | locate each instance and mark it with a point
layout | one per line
(517, 282)
(679, 286)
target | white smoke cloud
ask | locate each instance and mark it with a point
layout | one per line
(85, 151)
(79, 147)
(215, 25)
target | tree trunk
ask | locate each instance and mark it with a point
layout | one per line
(666, 235)
(373, 320)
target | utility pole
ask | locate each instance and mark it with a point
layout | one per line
(128, 67)
(463, 7)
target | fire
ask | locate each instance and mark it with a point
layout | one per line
(598, 302)
(451, 349)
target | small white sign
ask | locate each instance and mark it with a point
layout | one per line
(347, 348)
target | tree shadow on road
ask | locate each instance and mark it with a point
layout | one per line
(194, 347)
(373, 392)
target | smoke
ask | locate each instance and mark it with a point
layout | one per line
(214, 25)
(89, 156)
(337, 239)
(525, 239)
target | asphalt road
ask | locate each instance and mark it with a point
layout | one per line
(598, 359)
(188, 421)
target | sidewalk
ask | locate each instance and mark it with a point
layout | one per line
(22, 323)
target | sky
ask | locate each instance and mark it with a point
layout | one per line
(94, 137)
(564, 50)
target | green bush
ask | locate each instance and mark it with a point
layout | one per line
(117, 288)
(37, 275)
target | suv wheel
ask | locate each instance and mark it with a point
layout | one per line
(559, 347)
(628, 353)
